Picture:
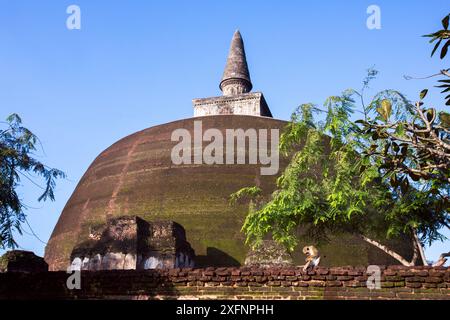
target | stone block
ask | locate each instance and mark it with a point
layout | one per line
(245, 104)
(22, 261)
(127, 243)
(268, 254)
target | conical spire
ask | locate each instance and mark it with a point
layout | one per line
(236, 78)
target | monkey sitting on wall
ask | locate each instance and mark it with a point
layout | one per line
(312, 257)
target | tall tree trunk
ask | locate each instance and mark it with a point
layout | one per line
(415, 253)
(420, 247)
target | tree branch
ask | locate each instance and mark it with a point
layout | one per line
(385, 249)
(420, 247)
(442, 260)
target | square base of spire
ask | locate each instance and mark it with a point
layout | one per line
(252, 104)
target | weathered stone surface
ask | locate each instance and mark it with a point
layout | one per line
(22, 261)
(236, 77)
(95, 262)
(113, 261)
(85, 263)
(130, 261)
(252, 104)
(132, 243)
(151, 187)
(268, 254)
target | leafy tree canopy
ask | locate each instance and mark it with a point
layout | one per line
(383, 175)
(17, 160)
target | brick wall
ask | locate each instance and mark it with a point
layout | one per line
(232, 283)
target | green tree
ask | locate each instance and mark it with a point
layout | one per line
(382, 176)
(414, 142)
(17, 159)
(442, 36)
(327, 187)
(412, 147)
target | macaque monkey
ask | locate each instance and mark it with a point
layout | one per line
(312, 257)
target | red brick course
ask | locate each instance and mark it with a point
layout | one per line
(232, 283)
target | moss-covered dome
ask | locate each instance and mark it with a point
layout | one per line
(135, 176)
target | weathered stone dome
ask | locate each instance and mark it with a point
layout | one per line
(136, 177)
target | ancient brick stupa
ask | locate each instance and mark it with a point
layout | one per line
(135, 177)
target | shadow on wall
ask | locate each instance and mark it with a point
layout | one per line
(215, 258)
(110, 284)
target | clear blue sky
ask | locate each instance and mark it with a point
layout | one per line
(135, 64)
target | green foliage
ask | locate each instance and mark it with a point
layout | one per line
(410, 146)
(385, 175)
(411, 149)
(322, 188)
(248, 193)
(17, 147)
(332, 183)
(441, 36)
